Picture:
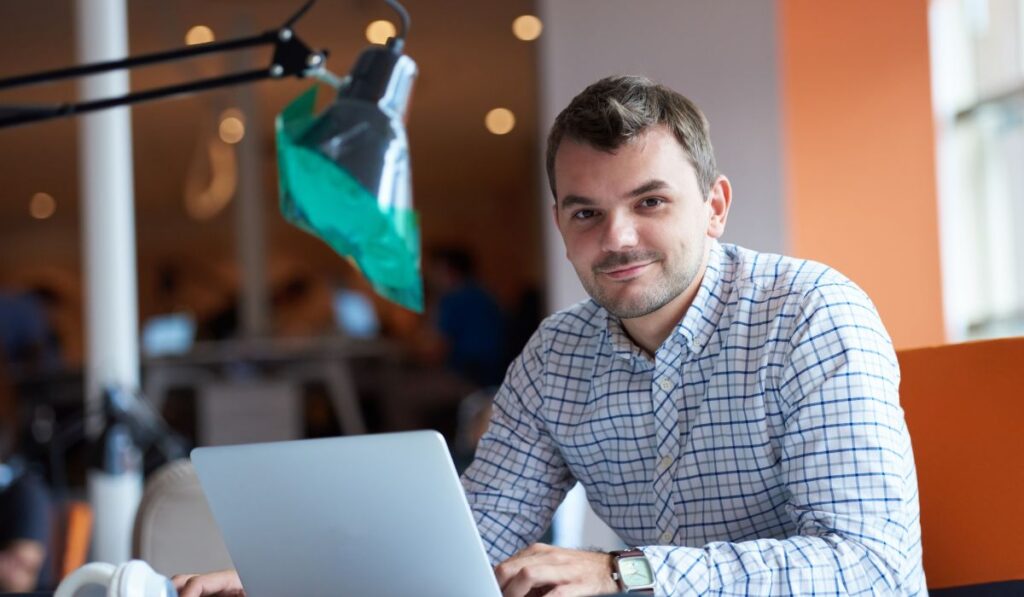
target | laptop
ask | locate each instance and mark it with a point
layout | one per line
(354, 314)
(361, 515)
(170, 334)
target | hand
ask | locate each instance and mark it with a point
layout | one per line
(20, 562)
(224, 583)
(555, 572)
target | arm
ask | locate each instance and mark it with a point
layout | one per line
(518, 477)
(847, 462)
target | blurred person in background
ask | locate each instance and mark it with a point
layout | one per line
(467, 318)
(25, 510)
(27, 337)
(458, 349)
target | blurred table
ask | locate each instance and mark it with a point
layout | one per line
(253, 366)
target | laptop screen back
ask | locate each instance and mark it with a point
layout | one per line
(363, 515)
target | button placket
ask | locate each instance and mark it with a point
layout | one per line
(667, 433)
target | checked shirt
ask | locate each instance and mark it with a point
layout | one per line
(762, 450)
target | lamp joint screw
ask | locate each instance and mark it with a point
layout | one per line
(284, 34)
(315, 60)
(276, 70)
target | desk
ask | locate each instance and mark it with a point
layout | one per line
(294, 360)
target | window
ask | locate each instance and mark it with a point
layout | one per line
(977, 49)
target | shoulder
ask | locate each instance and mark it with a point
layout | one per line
(781, 274)
(573, 327)
(562, 338)
(792, 284)
(802, 296)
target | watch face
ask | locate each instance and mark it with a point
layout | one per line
(635, 572)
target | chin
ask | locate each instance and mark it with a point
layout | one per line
(627, 307)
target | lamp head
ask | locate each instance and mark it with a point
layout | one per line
(345, 175)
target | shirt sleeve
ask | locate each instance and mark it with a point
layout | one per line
(846, 460)
(518, 477)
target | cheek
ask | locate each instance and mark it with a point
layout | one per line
(578, 245)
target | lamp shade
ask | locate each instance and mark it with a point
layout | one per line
(345, 177)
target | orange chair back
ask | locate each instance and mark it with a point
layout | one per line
(964, 405)
(73, 545)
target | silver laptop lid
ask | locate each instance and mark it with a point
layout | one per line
(363, 515)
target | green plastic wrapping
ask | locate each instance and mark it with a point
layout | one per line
(321, 198)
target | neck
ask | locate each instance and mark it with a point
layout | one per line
(649, 331)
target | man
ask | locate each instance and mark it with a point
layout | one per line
(734, 415)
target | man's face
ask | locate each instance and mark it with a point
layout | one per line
(635, 222)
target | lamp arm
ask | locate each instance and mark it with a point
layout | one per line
(134, 61)
(29, 114)
(292, 57)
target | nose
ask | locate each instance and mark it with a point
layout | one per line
(620, 233)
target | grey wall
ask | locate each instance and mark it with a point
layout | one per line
(720, 53)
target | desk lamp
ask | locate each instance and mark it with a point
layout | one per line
(344, 173)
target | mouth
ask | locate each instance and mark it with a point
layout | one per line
(626, 272)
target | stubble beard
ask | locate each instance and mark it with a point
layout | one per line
(662, 291)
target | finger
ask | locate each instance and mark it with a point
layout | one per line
(179, 580)
(190, 588)
(534, 576)
(572, 591)
(211, 584)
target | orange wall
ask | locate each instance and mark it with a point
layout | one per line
(859, 152)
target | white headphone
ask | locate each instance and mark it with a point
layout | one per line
(131, 579)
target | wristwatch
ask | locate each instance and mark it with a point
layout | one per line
(632, 571)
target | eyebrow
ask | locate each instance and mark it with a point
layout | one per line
(578, 200)
(651, 185)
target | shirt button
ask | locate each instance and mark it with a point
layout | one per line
(666, 538)
(665, 383)
(665, 463)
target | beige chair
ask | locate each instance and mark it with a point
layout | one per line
(174, 528)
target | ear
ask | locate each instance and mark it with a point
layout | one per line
(719, 200)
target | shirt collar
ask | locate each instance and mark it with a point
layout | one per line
(696, 327)
(701, 319)
(622, 345)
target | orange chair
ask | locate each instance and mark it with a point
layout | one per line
(964, 405)
(72, 535)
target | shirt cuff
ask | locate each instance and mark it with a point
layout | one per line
(678, 570)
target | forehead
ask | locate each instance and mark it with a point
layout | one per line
(582, 169)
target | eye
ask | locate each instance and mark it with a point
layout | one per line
(583, 214)
(651, 202)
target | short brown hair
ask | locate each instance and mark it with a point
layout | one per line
(616, 110)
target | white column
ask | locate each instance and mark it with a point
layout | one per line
(250, 233)
(249, 225)
(108, 252)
